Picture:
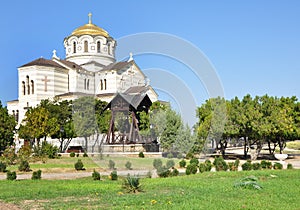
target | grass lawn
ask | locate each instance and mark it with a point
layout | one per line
(210, 190)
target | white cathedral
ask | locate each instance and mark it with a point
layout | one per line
(89, 68)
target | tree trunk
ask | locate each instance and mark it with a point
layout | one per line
(245, 147)
(86, 143)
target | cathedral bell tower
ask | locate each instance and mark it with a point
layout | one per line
(90, 43)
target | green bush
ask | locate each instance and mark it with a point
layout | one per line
(170, 164)
(128, 165)
(10, 156)
(77, 155)
(2, 167)
(256, 166)
(277, 166)
(179, 156)
(11, 175)
(247, 166)
(24, 166)
(208, 165)
(234, 166)
(220, 164)
(266, 164)
(195, 161)
(182, 163)
(24, 152)
(132, 184)
(96, 175)
(163, 172)
(202, 167)
(72, 154)
(114, 175)
(141, 155)
(36, 175)
(111, 164)
(189, 155)
(45, 150)
(170, 155)
(157, 163)
(85, 154)
(78, 165)
(289, 166)
(191, 169)
(174, 172)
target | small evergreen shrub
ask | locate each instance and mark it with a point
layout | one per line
(195, 161)
(191, 169)
(96, 175)
(77, 155)
(132, 184)
(277, 166)
(170, 163)
(149, 174)
(114, 175)
(220, 164)
(237, 163)
(174, 172)
(2, 167)
(163, 172)
(170, 155)
(289, 166)
(157, 163)
(128, 165)
(256, 166)
(208, 165)
(141, 155)
(234, 166)
(182, 163)
(189, 155)
(11, 175)
(24, 166)
(72, 154)
(179, 156)
(266, 164)
(36, 175)
(85, 154)
(247, 166)
(111, 164)
(202, 167)
(78, 165)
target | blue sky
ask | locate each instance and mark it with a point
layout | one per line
(254, 46)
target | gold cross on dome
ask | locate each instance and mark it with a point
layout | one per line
(90, 18)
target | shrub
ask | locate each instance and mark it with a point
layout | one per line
(220, 164)
(174, 172)
(128, 165)
(247, 166)
(24, 166)
(195, 161)
(289, 166)
(111, 164)
(202, 167)
(149, 174)
(77, 155)
(232, 166)
(163, 172)
(179, 156)
(2, 167)
(36, 175)
(141, 155)
(266, 164)
(24, 152)
(277, 166)
(208, 165)
(9, 155)
(85, 154)
(182, 163)
(191, 169)
(96, 175)
(114, 175)
(256, 166)
(132, 184)
(72, 154)
(170, 155)
(189, 155)
(11, 175)
(49, 150)
(78, 165)
(157, 163)
(170, 164)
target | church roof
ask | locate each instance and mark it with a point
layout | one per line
(117, 66)
(71, 64)
(137, 90)
(42, 62)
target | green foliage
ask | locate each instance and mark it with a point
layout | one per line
(265, 164)
(170, 155)
(114, 175)
(141, 155)
(249, 182)
(2, 167)
(85, 154)
(184, 140)
(289, 166)
(47, 150)
(208, 165)
(202, 167)
(36, 175)
(247, 166)
(174, 172)
(128, 165)
(79, 165)
(256, 166)
(157, 163)
(96, 175)
(170, 163)
(182, 163)
(24, 152)
(220, 164)
(194, 161)
(189, 155)
(111, 164)
(24, 166)
(77, 155)
(102, 116)
(191, 169)
(132, 184)
(277, 166)
(163, 172)
(72, 154)
(11, 175)
(9, 155)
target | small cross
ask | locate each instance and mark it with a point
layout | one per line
(90, 18)
(45, 83)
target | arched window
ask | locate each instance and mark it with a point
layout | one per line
(28, 86)
(85, 84)
(23, 88)
(74, 47)
(88, 84)
(98, 46)
(104, 84)
(86, 46)
(101, 84)
(32, 86)
(109, 48)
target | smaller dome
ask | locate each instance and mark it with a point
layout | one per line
(90, 29)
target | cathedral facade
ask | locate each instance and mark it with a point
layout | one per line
(89, 68)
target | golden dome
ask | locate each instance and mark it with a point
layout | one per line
(90, 29)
